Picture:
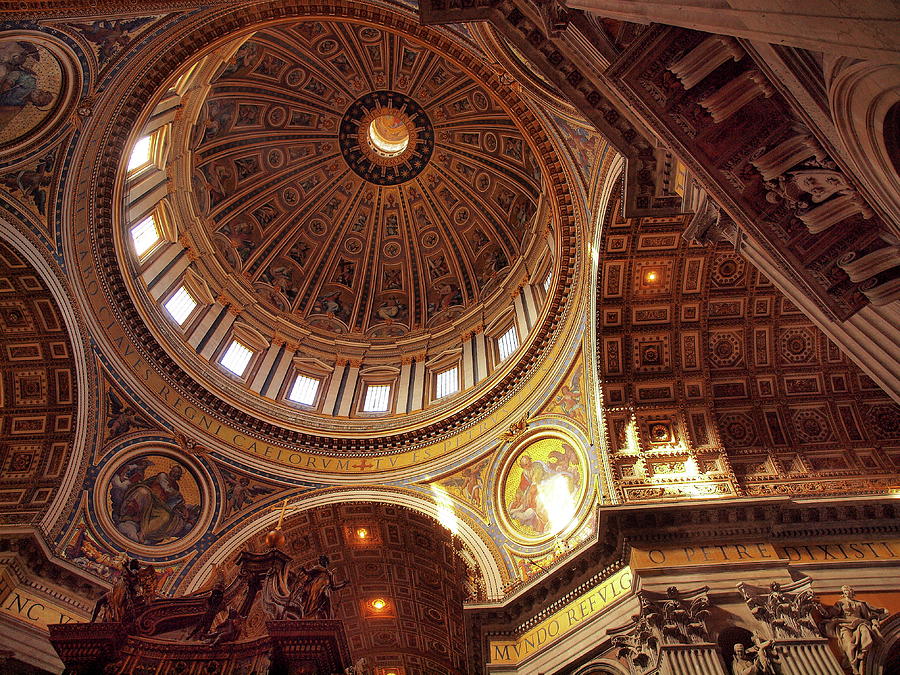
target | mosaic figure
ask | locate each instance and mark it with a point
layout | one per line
(153, 500)
(110, 36)
(542, 487)
(30, 82)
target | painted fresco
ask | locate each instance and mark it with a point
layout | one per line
(467, 484)
(153, 500)
(541, 491)
(31, 84)
(568, 400)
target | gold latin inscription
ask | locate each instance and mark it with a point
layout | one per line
(761, 552)
(35, 611)
(295, 458)
(589, 605)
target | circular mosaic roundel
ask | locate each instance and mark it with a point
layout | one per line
(386, 138)
(153, 499)
(542, 489)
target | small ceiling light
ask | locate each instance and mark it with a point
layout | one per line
(362, 533)
(378, 604)
(651, 276)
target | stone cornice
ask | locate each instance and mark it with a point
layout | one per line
(775, 519)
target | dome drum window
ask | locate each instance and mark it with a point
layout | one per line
(307, 384)
(141, 153)
(507, 343)
(376, 391)
(180, 305)
(145, 236)
(377, 398)
(305, 390)
(236, 358)
(446, 382)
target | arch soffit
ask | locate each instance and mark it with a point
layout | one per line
(483, 549)
(860, 94)
(68, 492)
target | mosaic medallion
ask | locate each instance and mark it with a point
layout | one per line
(38, 79)
(386, 138)
(152, 499)
(542, 489)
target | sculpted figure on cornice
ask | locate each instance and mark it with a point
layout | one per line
(857, 626)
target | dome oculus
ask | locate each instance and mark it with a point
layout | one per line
(386, 138)
(388, 135)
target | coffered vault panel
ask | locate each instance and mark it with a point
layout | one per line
(716, 385)
(38, 397)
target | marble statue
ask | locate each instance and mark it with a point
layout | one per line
(745, 663)
(136, 586)
(856, 625)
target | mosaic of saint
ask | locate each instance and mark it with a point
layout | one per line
(542, 488)
(153, 500)
(31, 79)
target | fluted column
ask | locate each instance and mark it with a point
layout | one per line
(694, 659)
(669, 636)
(787, 627)
(807, 657)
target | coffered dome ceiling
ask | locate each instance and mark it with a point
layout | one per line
(360, 181)
(352, 194)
